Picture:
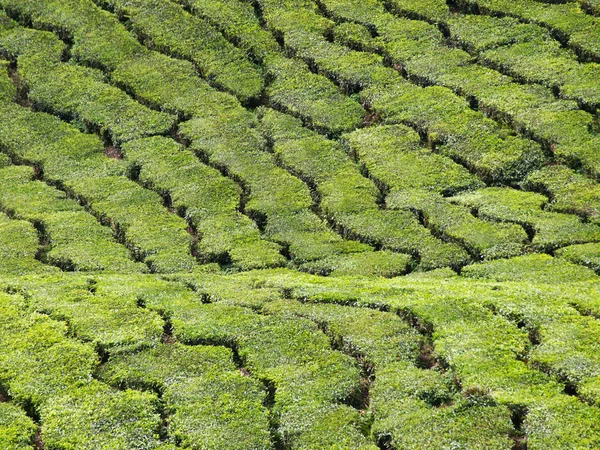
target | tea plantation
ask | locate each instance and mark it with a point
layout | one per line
(299, 224)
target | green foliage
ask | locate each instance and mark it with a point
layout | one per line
(585, 254)
(174, 30)
(161, 366)
(75, 239)
(571, 192)
(405, 136)
(96, 417)
(382, 264)
(466, 135)
(379, 337)
(500, 31)
(274, 193)
(38, 360)
(151, 233)
(77, 92)
(238, 22)
(218, 410)
(568, 20)
(16, 429)
(208, 200)
(311, 97)
(393, 155)
(19, 245)
(550, 230)
(542, 268)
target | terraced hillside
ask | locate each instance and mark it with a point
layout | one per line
(299, 224)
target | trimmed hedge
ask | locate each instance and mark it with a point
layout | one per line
(311, 97)
(78, 92)
(568, 20)
(218, 410)
(275, 196)
(378, 264)
(19, 245)
(238, 22)
(393, 155)
(209, 201)
(161, 366)
(97, 417)
(550, 230)
(541, 268)
(570, 191)
(38, 360)
(461, 133)
(173, 30)
(75, 239)
(16, 429)
(585, 254)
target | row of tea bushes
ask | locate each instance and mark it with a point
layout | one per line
(75, 92)
(350, 200)
(74, 238)
(76, 162)
(390, 153)
(172, 29)
(208, 200)
(550, 229)
(309, 382)
(278, 199)
(476, 141)
(19, 246)
(421, 51)
(567, 21)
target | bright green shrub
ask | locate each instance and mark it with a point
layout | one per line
(58, 148)
(550, 230)
(542, 268)
(400, 231)
(567, 20)
(570, 191)
(568, 347)
(8, 91)
(431, 10)
(311, 97)
(380, 338)
(238, 22)
(383, 264)
(402, 400)
(99, 38)
(172, 85)
(561, 423)
(74, 91)
(585, 254)
(98, 417)
(208, 200)
(76, 241)
(393, 155)
(274, 194)
(174, 30)
(19, 245)
(347, 197)
(218, 410)
(16, 429)
(38, 360)
(151, 233)
(355, 36)
(291, 354)
(500, 31)
(159, 367)
(378, 147)
(467, 136)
